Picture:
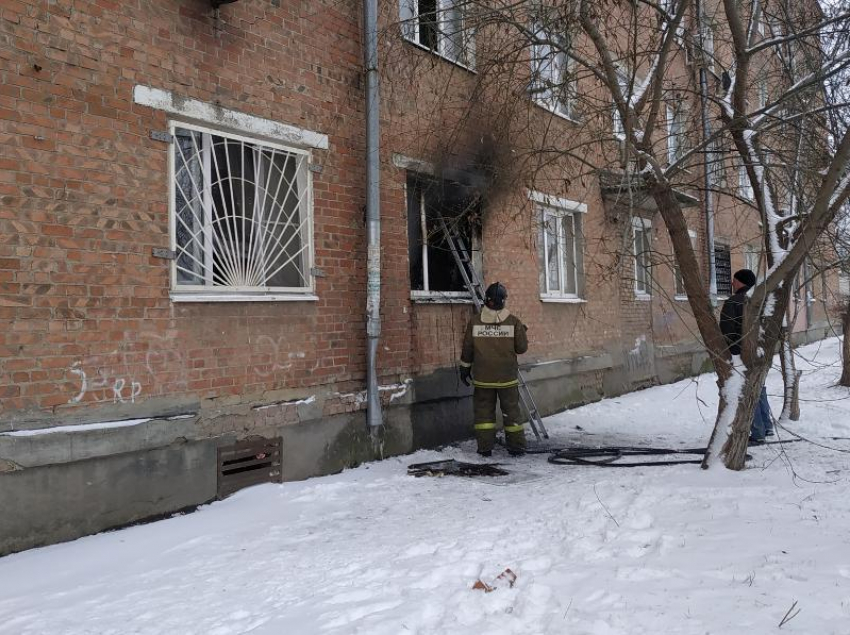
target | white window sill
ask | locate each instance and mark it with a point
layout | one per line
(562, 300)
(440, 55)
(680, 298)
(554, 111)
(643, 297)
(437, 297)
(242, 297)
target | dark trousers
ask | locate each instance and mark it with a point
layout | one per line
(484, 405)
(762, 419)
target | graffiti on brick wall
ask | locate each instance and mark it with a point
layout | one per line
(639, 358)
(119, 376)
(275, 354)
(103, 386)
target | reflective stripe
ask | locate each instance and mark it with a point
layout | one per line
(495, 384)
(517, 428)
(485, 426)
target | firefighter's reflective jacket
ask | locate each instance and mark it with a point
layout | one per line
(493, 340)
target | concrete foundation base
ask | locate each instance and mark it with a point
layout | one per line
(64, 482)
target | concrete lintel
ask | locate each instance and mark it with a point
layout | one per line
(175, 104)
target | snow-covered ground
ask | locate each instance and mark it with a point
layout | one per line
(595, 551)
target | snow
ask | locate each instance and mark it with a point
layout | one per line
(81, 427)
(673, 550)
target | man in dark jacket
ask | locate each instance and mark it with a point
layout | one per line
(732, 325)
(492, 342)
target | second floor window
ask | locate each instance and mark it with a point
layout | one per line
(440, 26)
(745, 188)
(675, 132)
(551, 84)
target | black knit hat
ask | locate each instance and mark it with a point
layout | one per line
(495, 296)
(745, 277)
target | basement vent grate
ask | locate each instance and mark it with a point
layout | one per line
(249, 462)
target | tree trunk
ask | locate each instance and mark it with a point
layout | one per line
(790, 380)
(739, 395)
(845, 347)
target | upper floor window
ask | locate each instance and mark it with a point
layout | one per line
(241, 215)
(716, 163)
(440, 26)
(562, 249)
(628, 86)
(708, 47)
(745, 188)
(676, 123)
(551, 82)
(752, 258)
(763, 93)
(642, 244)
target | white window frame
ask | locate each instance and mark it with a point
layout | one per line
(752, 256)
(409, 16)
(642, 256)
(678, 281)
(745, 188)
(623, 76)
(843, 284)
(708, 47)
(669, 7)
(558, 210)
(675, 132)
(543, 95)
(762, 90)
(717, 166)
(208, 292)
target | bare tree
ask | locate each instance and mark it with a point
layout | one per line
(751, 99)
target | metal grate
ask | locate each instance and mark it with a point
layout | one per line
(249, 462)
(241, 214)
(723, 269)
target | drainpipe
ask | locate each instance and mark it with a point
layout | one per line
(706, 168)
(373, 215)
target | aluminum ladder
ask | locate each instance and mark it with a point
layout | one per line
(473, 283)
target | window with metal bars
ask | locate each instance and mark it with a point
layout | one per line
(723, 269)
(241, 215)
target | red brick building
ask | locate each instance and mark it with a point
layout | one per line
(183, 255)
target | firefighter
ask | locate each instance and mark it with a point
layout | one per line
(492, 342)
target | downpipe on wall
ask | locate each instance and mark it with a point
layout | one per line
(374, 416)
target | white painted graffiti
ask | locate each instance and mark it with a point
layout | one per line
(103, 386)
(274, 350)
(119, 376)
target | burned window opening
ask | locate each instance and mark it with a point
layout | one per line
(432, 265)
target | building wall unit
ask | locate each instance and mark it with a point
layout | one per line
(182, 251)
